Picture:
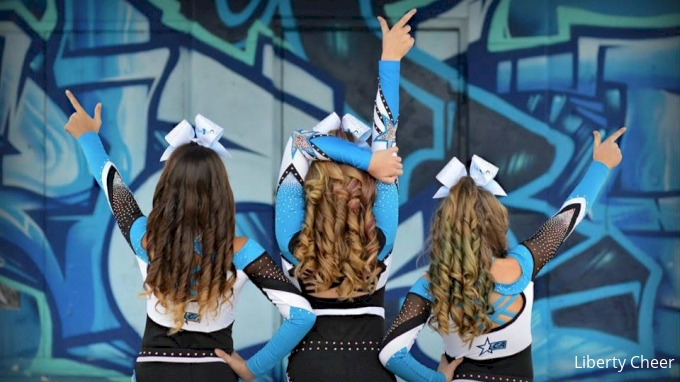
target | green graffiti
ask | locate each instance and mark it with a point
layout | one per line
(501, 40)
(44, 26)
(173, 18)
(45, 346)
(395, 10)
(43, 363)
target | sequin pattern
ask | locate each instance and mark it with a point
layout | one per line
(373, 346)
(122, 201)
(414, 307)
(265, 268)
(545, 243)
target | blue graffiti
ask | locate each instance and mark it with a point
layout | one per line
(548, 72)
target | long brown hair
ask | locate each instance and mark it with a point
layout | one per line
(193, 205)
(338, 242)
(468, 230)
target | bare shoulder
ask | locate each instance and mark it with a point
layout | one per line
(239, 242)
(506, 270)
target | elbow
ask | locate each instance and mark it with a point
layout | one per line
(308, 320)
(385, 356)
(304, 319)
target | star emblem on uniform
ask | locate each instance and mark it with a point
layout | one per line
(390, 133)
(301, 142)
(486, 347)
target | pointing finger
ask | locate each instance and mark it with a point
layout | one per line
(383, 25)
(405, 18)
(74, 102)
(616, 135)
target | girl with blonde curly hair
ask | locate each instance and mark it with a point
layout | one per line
(476, 294)
(335, 225)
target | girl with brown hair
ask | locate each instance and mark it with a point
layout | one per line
(193, 265)
(476, 294)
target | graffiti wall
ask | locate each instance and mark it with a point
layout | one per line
(522, 83)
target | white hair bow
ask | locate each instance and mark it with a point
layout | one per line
(206, 133)
(481, 171)
(349, 124)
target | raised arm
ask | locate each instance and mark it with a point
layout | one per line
(534, 253)
(303, 146)
(395, 354)
(126, 211)
(396, 43)
(544, 243)
(306, 145)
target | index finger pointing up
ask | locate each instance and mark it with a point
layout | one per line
(617, 134)
(405, 18)
(74, 102)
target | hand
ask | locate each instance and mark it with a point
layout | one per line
(396, 41)
(80, 122)
(608, 152)
(237, 364)
(448, 368)
(386, 165)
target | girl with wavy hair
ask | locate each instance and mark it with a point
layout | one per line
(193, 265)
(336, 225)
(476, 294)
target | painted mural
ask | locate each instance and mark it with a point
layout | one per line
(522, 83)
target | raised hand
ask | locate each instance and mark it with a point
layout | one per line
(448, 368)
(396, 42)
(80, 122)
(608, 152)
(236, 363)
(386, 165)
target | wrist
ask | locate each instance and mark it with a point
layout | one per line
(389, 57)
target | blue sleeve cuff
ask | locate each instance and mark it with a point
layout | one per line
(422, 289)
(408, 368)
(137, 232)
(526, 264)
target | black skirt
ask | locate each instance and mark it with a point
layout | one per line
(184, 372)
(340, 348)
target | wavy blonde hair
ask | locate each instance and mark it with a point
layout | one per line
(468, 230)
(338, 242)
(193, 201)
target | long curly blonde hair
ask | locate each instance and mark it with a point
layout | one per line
(193, 204)
(469, 228)
(338, 243)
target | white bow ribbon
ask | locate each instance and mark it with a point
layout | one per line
(206, 133)
(481, 171)
(349, 124)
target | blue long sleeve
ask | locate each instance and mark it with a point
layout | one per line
(298, 317)
(126, 211)
(534, 253)
(395, 354)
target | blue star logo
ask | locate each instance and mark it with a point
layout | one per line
(489, 347)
